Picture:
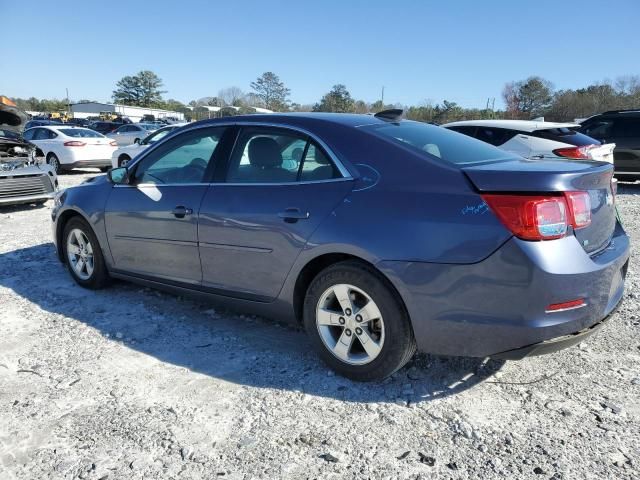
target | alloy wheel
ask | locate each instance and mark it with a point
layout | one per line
(350, 324)
(80, 254)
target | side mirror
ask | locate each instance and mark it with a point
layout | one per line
(118, 176)
(137, 140)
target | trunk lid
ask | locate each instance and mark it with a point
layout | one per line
(555, 176)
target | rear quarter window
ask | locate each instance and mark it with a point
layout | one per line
(438, 142)
(565, 135)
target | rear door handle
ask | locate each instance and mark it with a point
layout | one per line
(292, 215)
(181, 212)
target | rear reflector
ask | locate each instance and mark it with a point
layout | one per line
(577, 153)
(74, 143)
(113, 143)
(559, 307)
(541, 217)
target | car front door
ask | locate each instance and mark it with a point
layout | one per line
(626, 135)
(279, 186)
(152, 222)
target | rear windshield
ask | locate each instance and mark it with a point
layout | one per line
(79, 132)
(148, 126)
(565, 135)
(439, 142)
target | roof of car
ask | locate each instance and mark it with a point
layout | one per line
(65, 126)
(522, 125)
(302, 118)
(614, 114)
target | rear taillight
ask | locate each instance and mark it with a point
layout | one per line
(541, 217)
(74, 143)
(580, 208)
(577, 153)
(113, 143)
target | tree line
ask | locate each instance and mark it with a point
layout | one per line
(524, 99)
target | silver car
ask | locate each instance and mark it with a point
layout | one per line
(132, 133)
(23, 178)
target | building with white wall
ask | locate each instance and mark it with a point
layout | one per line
(91, 109)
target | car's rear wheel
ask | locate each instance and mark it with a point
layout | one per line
(357, 322)
(53, 161)
(124, 160)
(83, 255)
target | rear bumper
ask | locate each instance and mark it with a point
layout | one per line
(554, 344)
(499, 305)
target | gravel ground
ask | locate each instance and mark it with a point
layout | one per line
(132, 383)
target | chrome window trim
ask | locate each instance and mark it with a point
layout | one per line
(244, 184)
(341, 168)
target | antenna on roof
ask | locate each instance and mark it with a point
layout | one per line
(393, 114)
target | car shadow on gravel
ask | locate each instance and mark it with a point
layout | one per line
(8, 209)
(237, 348)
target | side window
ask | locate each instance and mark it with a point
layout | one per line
(466, 129)
(626, 127)
(41, 134)
(185, 159)
(28, 134)
(598, 129)
(495, 136)
(275, 156)
(266, 156)
(51, 134)
(317, 166)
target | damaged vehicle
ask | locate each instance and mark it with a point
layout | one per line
(23, 177)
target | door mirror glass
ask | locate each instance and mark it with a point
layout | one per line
(118, 175)
(137, 140)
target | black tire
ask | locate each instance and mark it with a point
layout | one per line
(54, 162)
(100, 277)
(399, 342)
(123, 159)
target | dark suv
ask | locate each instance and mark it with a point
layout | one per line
(621, 127)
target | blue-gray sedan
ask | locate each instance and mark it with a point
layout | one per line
(379, 235)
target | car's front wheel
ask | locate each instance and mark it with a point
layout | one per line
(83, 254)
(357, 322)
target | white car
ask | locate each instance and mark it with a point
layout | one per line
(132, 132)
(65, 147)
(536, 140)
(122, 156)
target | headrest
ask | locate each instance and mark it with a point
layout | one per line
(297, 154)
(264, 152)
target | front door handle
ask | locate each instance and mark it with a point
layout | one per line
(292, 215)
(181, 212)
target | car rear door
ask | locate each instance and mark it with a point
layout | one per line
(152, 223)
(278, 187)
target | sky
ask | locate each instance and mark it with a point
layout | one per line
(459, 50)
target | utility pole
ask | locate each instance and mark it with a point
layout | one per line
(68, 104)
(382, 96)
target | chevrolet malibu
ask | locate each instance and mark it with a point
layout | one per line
(379, 235)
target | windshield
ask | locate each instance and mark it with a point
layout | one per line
(438, 142)
(157, 136)
(80, 133)
(9, 134)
